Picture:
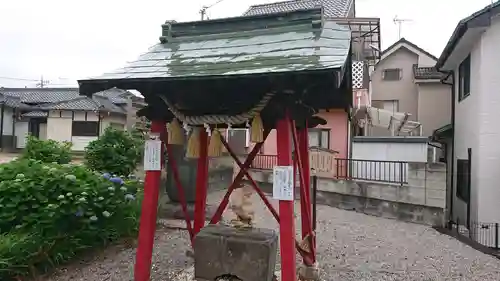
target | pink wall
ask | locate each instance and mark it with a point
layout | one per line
(337, 123)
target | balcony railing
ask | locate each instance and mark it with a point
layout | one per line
(372, 170)
(322, 161)
(324, 164)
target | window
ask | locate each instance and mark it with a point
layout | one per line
(117, 126)
(319, 138)
(463, 179)
(85, 129)
(464, 79)
(392, 74)
(389, 105)
(238, 139)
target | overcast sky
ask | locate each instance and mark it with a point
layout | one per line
(67, 40)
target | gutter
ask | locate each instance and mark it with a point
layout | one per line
(452, 148)
(479, 18)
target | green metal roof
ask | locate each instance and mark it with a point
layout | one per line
(281, 42)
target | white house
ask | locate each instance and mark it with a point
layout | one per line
(61, 114)
(471, 59)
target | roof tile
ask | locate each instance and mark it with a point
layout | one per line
(331, 8)
(426, 73)
(41, 95)
(35, 114)
(244, 45)
(80, 103)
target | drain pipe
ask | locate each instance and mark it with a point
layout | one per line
(452, 178)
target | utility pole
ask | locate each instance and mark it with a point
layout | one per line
(400, 22)
(203, 11)
(42, 82)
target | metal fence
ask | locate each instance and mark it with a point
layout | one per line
(485, 234)
(264, 161)
(349, 169)
(372, 170)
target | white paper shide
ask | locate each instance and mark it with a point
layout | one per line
(283, 183)
(152, 155)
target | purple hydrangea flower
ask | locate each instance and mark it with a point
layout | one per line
(79, 213)
(117, 180)
(106, 176)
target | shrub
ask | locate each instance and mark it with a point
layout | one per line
(51, 212)
(47, 151)
(116, 152)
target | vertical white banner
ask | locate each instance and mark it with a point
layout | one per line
(283, 183)
(152, 155)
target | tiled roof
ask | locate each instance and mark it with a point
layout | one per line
(115, 95)
(426, 73)
(331, 8)
(15, 102)
(80, 103)
(288, 42)
(41, 95)
(106, 104)
(62, 99)
(35, 114)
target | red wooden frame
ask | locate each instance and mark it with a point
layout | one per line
(286, 133)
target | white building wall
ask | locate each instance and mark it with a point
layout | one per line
(7, 121)
(397, 155)
(390, 151)
(426, 61)
(476, 127)
(21, 133)
(488, 150)
(59, 128)
(107, 120)
(467, 133)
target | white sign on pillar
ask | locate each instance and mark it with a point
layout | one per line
(283, 183)
(152, 154)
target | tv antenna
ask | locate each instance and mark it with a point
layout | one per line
(203, 11)
(400, 22)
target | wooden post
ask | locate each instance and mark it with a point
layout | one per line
(286, 213)
(147, 226)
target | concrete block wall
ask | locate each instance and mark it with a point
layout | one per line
(422, 200)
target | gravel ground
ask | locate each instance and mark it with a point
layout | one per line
(351, 246)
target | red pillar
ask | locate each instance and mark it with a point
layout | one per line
(305, 203)
(287, 225)
(201, 183)
(147, 226)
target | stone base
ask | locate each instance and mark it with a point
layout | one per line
(188, 275)
(173, 210)
(308, 272)
(249, 254)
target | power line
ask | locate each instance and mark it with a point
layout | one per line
(18, 79)
(41, 83)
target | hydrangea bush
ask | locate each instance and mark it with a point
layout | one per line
(47, 150)
(50, 212)
(116, 151)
